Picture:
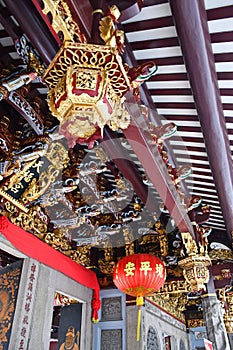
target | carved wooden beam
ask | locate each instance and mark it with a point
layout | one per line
(129, 170)
(26, 110)
(156, 170)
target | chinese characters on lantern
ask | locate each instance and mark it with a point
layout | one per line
(159, 270)
(145, 266)
(129, 269)
(27, 306)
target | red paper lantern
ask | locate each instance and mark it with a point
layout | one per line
(139, 275)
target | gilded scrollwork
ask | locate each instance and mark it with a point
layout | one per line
(62, 20)
(129, 249)
(155, 236)
(34, 220)
(221, 254)
(86, 83)
(225, 296)
(168, 306)
(59, 241)
(195, 323)
(173, 287)
(108, 31)
(195, 265)
(195, 271)
(57, 155)
(190, 244)
(107, 264)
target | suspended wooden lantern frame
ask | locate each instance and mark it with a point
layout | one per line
(86, 85)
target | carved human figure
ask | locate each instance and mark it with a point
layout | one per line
(214, 323)
(18, 81)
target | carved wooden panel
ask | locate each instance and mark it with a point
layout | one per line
(9, 284)
(182, 346)
(152, 340)
(111, 309)
(111, 339)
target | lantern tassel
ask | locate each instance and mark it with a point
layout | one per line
(139, 324)
(139, 302)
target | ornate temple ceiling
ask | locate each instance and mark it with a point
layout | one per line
(127, 189)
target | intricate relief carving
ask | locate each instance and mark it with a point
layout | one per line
(195, 323)
(62, 20)
(213, 317)
(111, 339)
(182, 345)
(152, 341)
(167, 307)
(9, 283)
(111, 309)
(195, 266)
(29, 55)
(178, 286)
(30, 115)
(107, 264)
(87, 82)
(86, 85)
(221, 254)
(195, 270)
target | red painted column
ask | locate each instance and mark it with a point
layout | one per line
(192, 28)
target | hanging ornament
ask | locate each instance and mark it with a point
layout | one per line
(139, 275)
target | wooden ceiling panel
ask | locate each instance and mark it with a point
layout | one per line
(220, 12)
(163, 89)
(151, 44)
(221, 37)
(148, 24)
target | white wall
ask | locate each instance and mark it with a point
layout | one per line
(165, 325)
(162, 324)
(45, 283)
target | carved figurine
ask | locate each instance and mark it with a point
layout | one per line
(108, 32)
(180, 174)
(193, 202)
(162, 132)
(189, 243)
(138, 75)
(203, 233)
(197, 212)
(18, 81)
